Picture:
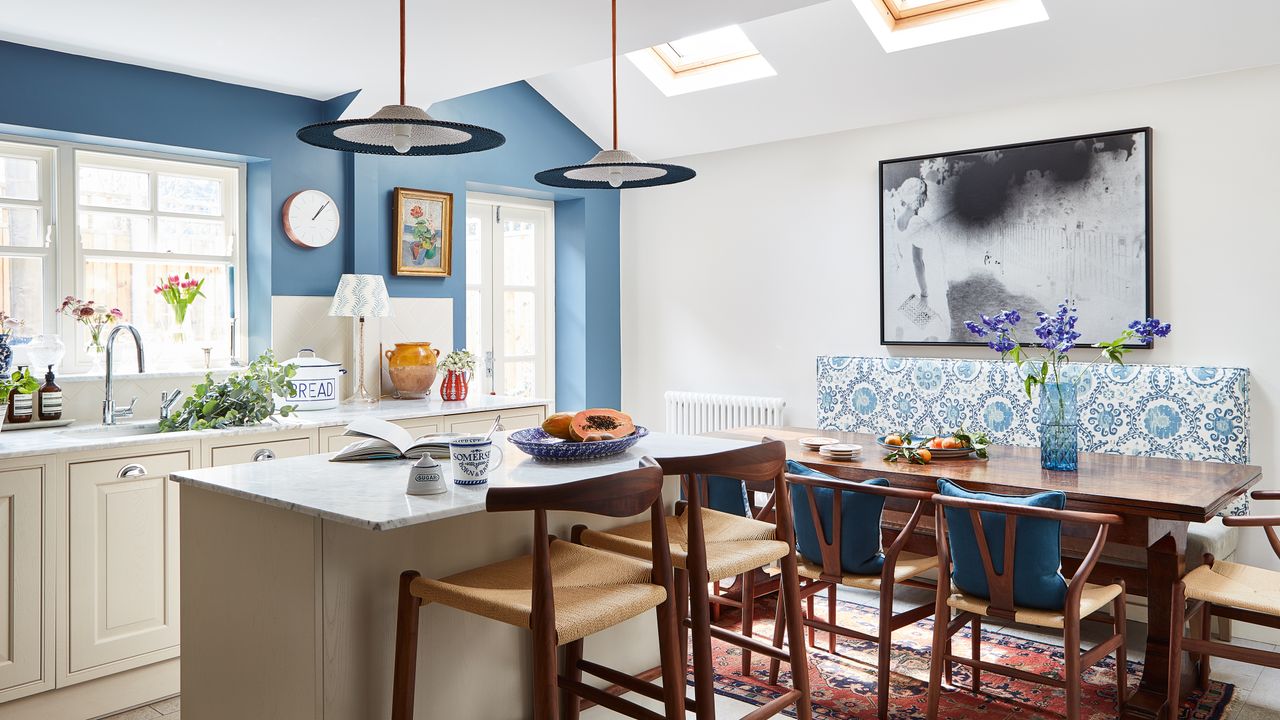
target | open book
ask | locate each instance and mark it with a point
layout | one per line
(388, 441)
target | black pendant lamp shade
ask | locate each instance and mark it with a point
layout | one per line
(615, 168)
(401, 129)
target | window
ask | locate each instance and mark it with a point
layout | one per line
(510, 303)
(700, 62)
(904, 24)
(109, 226)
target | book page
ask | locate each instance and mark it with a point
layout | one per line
(392, 433)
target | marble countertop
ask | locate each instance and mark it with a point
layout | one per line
(371, 495)
(91, 436)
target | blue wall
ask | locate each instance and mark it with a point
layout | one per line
(69, 97)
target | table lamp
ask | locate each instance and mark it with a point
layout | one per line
(361, 296)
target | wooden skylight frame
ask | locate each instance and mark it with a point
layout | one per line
(902, 14)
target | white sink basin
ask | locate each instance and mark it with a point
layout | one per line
(107, 431)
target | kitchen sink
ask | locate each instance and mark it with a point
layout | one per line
(109, 431)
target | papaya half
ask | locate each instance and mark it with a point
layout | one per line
(600, 421)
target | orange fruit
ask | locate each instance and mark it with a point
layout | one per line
(952, 443)
(924, 454)
(936, 443)
(893, 440)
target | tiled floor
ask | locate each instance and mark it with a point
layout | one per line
(1258, 689)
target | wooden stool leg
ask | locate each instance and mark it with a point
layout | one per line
(975, 649)
(1206, 634)
(831, 617)
(570, 708)
(748, 615)
(408, 612)
(779, 635)
(1072, 672)
(795, 631)
(1122, 653)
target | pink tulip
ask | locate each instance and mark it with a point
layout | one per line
(174, 278)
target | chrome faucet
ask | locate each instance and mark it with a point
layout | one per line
(167, 399)
(110, 413)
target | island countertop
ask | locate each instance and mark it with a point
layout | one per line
(371, 494)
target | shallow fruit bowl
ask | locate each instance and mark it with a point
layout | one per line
(939, 453)
(537, 443)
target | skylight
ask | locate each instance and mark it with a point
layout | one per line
(700, 62)
(904, 24)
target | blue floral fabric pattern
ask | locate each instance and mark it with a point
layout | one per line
(1194, 413)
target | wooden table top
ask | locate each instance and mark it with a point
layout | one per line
(1187, 490)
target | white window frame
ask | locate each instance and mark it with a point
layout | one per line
(44, 155)
(492, 284)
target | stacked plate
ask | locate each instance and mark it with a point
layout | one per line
(840, 451)
(814, 443)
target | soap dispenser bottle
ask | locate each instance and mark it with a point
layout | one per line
(21, 404)
(50, 398)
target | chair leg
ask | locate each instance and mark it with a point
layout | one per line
(779, 635)
(700, 619)
(748, 616)
(570, 708)
(831, 617)
(1206, 633)
(948, 666)
(408, 612)
(1072, 673)
(1122, 653)
(1224, 630)
(813, 634)
(795, 631)
(545, 675)
(884, 651)
(975, 649)
(674, 657)
(682, 614)
(937, 659)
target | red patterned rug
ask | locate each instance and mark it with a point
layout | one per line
(844, 684)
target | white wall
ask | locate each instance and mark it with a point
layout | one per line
(735, 281)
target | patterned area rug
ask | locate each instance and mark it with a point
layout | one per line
(844, 684)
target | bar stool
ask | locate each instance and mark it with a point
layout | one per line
(562, 592)
(1227, 590)
(990, 542)
(838, 525)
(708, 546)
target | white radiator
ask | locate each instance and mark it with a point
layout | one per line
(690, 413)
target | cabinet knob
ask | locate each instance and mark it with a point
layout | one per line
(264, 455)
(132, 470)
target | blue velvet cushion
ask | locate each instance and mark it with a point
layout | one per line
(1037, 561)
(859, 520)
(726, 495)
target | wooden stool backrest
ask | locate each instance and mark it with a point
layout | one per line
(832, 568)
(1000, 585)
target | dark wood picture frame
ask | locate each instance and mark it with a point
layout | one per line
(1145, 139)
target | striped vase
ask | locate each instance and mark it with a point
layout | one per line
(454, 386)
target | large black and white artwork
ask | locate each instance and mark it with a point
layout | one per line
(1019, 226)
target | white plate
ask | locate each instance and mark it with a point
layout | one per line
(813, 443)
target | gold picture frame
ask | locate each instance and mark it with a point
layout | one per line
(422, 233)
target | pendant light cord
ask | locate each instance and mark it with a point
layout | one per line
(615, 73)
(402, 51)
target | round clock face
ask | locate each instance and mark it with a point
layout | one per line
(311, 218)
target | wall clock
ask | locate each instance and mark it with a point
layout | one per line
(310, 218)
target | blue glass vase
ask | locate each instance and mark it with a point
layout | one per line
(1059, 427)
(6, 355)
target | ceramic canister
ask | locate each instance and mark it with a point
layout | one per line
(426, 477)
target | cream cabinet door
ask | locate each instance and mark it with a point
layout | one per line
(514, 419)
(122, 558)
(260, 451)
(22, 593)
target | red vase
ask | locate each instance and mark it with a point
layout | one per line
(454, 386)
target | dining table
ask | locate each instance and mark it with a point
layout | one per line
(1157, 498)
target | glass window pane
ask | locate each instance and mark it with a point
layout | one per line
(473, 320)
(22, 291)
(20, 226)
(517, 378)
(475, 273)
(193, 237)
(518, 264)
(130, 286)
(519, 324)
(107, 187)
(19, 178)
(114, 231)
(199, 196)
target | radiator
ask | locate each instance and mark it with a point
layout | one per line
(690, 413)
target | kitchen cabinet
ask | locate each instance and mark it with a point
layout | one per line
(261, 450)
(24, 594)
(122, 562)
(515, 419)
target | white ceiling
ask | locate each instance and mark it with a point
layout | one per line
(832, 74)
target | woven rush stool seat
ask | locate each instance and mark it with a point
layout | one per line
(1092, 599)
(1235, 585)
(909, 566)
(594, 590)
(735, 544)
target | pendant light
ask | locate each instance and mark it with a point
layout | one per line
(615, 168)
(401, 129)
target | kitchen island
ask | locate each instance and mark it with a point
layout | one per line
(289, 586)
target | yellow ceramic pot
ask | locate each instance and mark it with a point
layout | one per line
(412, 366)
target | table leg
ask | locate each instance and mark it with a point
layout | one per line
(1166, 560)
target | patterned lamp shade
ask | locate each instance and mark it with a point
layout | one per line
(361, 296)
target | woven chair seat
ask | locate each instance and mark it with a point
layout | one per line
(735, 544)
(909, 566)
(1094, 598)
(1235, 585)
(593, 590)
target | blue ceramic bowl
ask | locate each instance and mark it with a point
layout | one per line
(537, 443)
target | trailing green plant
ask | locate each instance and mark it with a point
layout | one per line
(246, 398)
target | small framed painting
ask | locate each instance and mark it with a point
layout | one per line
(422, 233)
